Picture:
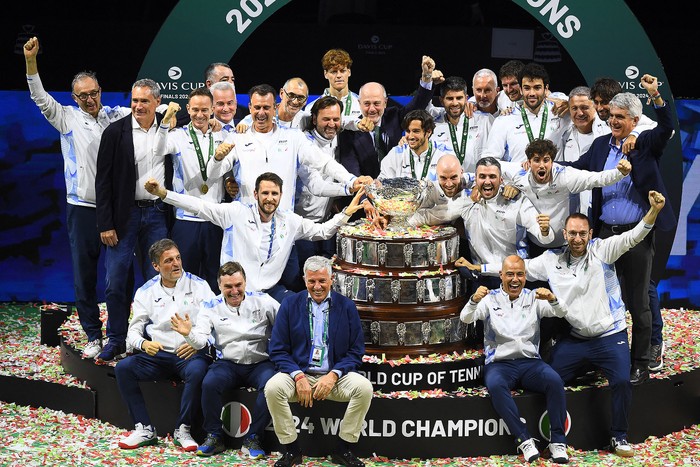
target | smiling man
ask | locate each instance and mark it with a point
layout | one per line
(417, 158)
(511, 318)
(240, 325)
(164, 352)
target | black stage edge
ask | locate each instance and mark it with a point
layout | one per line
(54, 396)
(420, 428)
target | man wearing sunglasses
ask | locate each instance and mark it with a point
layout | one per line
(80, 128)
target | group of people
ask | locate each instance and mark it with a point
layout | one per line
(257, 203)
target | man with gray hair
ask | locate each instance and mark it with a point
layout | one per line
(317, 345)
(127, 215)
(619, 207)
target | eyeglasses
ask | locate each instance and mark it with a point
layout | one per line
(294, 97)
(573, 235)
(83, 96)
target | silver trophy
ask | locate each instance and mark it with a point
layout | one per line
(397, 198)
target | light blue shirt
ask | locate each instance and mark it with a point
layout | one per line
(319, 313)
(621, 202)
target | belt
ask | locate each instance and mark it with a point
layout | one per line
(147, 203)
(619, 228)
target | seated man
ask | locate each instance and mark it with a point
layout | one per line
(511, 345)
(259, 236)
(583, 276)
(317, 345)
(165, 353)
(240, 323)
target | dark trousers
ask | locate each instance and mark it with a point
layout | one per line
(85, 248)
(657, 322)
(145, 227)
(534, 375)
(611, 354)
(634, 273)
(224, 375)
(200, 248)
(143, 367)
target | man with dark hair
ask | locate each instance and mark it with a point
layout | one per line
(464, 136)
(510, 94)
(127, 215)
(618, 208)
(581, 275)
(217, 72)
(240, 324)
(317, 345)
(602, 91)
(80, 128)
(536, 119)
(259, 236)
(164, 352)
(417, 158)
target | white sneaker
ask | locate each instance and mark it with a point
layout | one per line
(529, 450)
(141, 436)
(92, 349)
(621, 447)
(558, 453)
(183, 438)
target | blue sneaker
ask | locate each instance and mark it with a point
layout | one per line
(112, 351)
(212, 445)
(253, 447)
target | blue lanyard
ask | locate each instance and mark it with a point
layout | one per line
(272, 238)
(325, 323)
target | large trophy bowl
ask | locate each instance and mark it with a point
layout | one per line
(397, 198)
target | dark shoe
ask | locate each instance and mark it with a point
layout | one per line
(112, 352)
(347, 458)
(212, 445)
(288, 460)
(638, 376)
(656, 357)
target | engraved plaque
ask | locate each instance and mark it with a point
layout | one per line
(394, 255)
(432, 290)
(374, 329)
(437, 331)
(369, 254)
(366, 330)
(382, 291)
(360, 293)
(420, 255)
(449, 288)
(414, 335)
(387, 333)
(408, 291)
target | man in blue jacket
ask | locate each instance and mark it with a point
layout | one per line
(317, 345)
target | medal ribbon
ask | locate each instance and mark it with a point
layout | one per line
(526, 122)
(198, 150)
(426, 166)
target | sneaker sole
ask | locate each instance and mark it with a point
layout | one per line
(149, 442)
(209, 454)
(120, 356)
(186, 449)
(252, 456)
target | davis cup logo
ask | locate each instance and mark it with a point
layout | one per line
(236, 419)
(174, 72)
(545, 426)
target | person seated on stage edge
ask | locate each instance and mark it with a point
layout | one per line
(260, 237)
(317, 345)
(240, 323)
(583, 276)
(511, 318)
(165, 354)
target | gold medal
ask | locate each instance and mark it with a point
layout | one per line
(204, 188)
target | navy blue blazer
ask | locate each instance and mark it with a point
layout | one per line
(290, 344)
(645, 173)
(356, 148)
(115, 181)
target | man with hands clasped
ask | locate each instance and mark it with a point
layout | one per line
(511, 318)
(165, 352)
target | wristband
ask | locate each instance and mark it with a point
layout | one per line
(298, 377)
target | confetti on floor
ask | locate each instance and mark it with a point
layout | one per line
(41, 437)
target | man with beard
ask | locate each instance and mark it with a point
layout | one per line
(164, 352)
(259, 236)
(289, 112)
(240, 324)
(266, 146)
(485, 88)
(550, 187)
(510, 95)
(419, 156)
(536, 119)
(511, 317)
(618, 208)
(462, 135)
(80, 128)
(582, 276)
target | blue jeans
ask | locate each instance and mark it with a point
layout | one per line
(223, 375)
(143, 367)
(200, 248)
(85, 248)
(534, 375)
(611, 354)
(145, 227)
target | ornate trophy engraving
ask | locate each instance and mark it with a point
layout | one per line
(358, 252)
(432, 253)
(448, 329)
(408, 253)
(425, 331)
(420, 290)
(381, 249)
(401, 331)
(441, 288)
(370, 290)
(374, 329)
(395, 289)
